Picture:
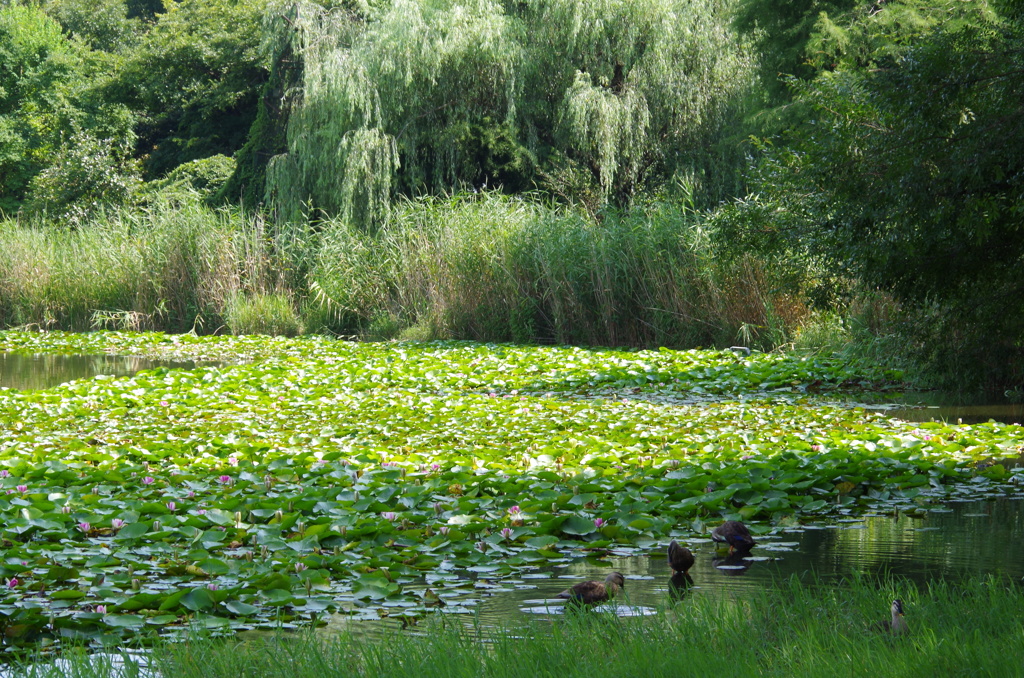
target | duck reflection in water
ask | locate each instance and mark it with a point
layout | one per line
(733, 564)
(679, 585)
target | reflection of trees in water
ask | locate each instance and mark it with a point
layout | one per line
(982, 536)
(26, 372)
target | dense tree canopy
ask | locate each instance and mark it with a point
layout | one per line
(865, 146)
(910, 179)
(593, 101)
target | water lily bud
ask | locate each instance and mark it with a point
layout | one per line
(268, 482)
(576, 489)
(238, 518)
(157, 526)
(136, 584)
(438, 507)
(131, 569)
(301, 567)
(337, 550)
(264, 552)
(554, 507)
(309, 587)
(248, 556)
(482, 546)
(291, 506)
(300, 527)
(65, 509)
(278, 515)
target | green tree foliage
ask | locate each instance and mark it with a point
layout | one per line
(806, 37)
(194, 80)
(428, 97)
(85, 176)
(35, 60)
(911, 179)
(104, 25)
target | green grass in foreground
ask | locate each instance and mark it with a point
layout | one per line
(972, 628)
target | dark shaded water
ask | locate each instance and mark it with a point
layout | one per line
(950, 408)
(965, 538)
(29, 372)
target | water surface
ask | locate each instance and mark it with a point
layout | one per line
(31, 372)
(969, 538)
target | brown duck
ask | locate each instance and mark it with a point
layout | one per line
(680, 559)
(590, 592)
(734, 534)
(897, 626)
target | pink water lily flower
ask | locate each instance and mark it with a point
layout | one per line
(22, 488)
(117, 523)
(148, 480)
(84, 527)
(390, 516)
(224, 479)
(4, 473)
(171, 506)
(12, 582)
(506, 533)
(599, 523)
(102, 609)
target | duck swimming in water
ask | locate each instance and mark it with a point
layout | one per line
(734, 534)
(590, 592)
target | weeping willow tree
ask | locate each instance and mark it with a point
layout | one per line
(601, 97)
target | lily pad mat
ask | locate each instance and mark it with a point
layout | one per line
(311, 476)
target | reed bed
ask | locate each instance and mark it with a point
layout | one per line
(495, 268)
(485, 267)
(170, 267)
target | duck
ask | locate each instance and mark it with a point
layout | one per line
(897, 625)
(735, 534)
(680, 559)
(590, 592)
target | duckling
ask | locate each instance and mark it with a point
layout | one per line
(898, 625)
(735, 534)
(590, 592)
(680, 559)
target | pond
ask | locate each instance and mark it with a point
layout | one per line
(949, 407)
(31, 372)
(318, 480)
(984, 537)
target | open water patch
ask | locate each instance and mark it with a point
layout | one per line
(27, 372)
(963, 539)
